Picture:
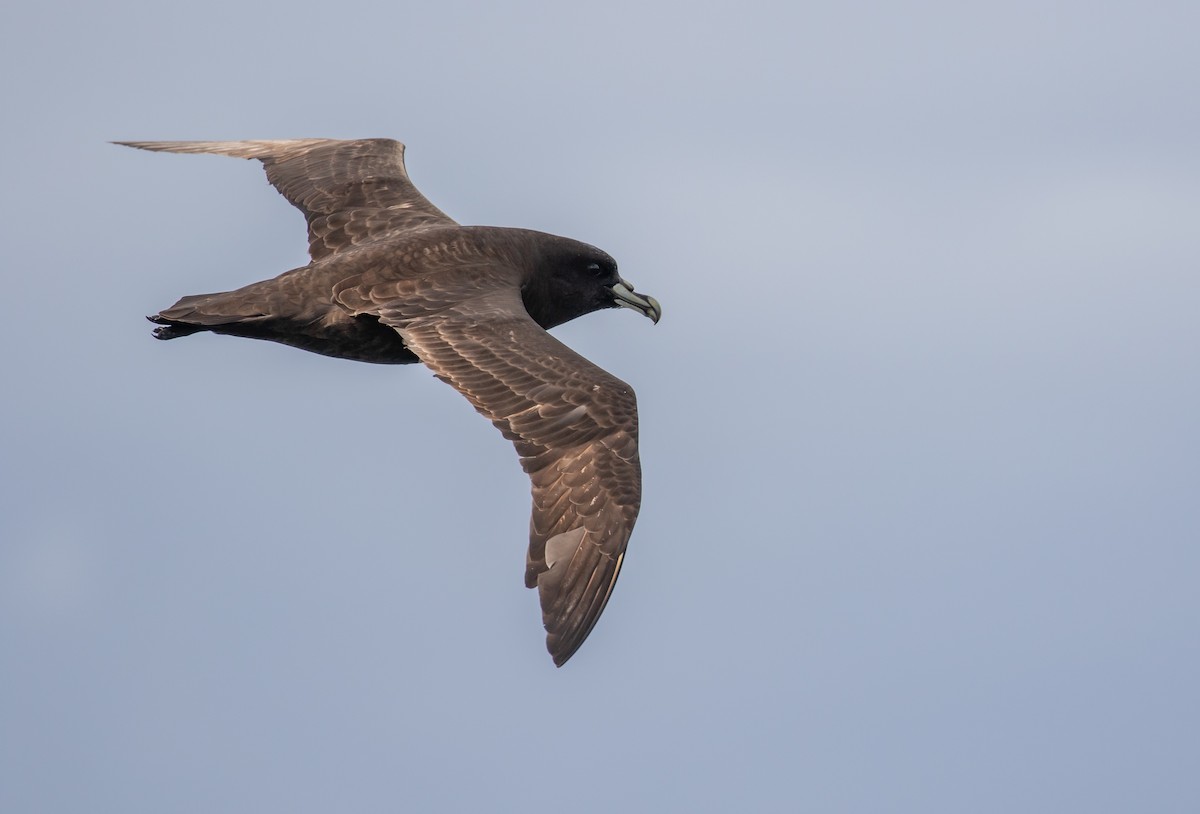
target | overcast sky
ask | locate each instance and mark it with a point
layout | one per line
(921, 521)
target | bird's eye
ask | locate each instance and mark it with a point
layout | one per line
(595, 269)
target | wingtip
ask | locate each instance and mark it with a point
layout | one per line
(235, 149)
(155, 146)
(253, 148)
(560, 654)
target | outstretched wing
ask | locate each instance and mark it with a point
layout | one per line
(574, 426)
(351, 192)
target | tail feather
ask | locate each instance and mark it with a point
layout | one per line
(282, 310)
(203, 312)
(172, 330)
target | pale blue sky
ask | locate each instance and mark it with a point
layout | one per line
(921, 529)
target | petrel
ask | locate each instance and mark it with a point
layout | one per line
(393, 280)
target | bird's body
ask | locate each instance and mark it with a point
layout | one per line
(393, 280)
(301, 307)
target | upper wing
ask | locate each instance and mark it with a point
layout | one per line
(574, 426)
(351, 192)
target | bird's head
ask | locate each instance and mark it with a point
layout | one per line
(574, 279)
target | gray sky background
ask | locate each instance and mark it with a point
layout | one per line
(919, 426)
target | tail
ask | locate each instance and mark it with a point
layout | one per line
(206, 312)
(172, 330)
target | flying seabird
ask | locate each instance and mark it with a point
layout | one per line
(393, 280)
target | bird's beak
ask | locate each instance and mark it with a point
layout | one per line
(646, 306)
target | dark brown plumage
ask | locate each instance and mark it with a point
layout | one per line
(393, 280)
